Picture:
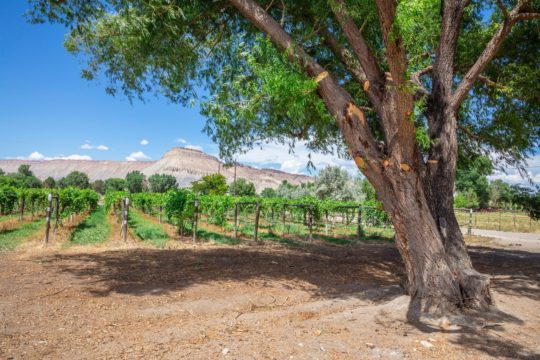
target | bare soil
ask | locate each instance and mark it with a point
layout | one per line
(127, 301)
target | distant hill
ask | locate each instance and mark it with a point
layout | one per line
(187, 165)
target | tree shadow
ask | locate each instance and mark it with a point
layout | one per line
(370, 272)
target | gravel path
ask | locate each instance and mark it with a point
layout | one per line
(525, 241)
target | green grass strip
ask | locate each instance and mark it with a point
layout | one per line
(10, 239)
(93, 230)
(147, 230)
(216, 237)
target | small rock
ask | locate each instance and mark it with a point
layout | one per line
(370, 345)
(225, 351)
(426, 344)
(300, 344)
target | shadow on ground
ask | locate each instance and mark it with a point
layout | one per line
(368, 271)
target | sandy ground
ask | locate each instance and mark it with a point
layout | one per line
(204, 301)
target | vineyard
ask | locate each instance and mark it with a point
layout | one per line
(224, 218)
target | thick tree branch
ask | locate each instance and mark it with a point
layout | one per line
(361, 49)
(395, 54)
(415, 79)
(350, 119)
(352, 64)
(489, 52)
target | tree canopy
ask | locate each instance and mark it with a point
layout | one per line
(256, 94)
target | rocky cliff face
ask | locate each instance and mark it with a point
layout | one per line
(186, 165)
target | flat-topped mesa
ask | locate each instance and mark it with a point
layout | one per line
(185, 164)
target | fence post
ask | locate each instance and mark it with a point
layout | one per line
(236, 221)
(359, 234)
(310, 222)
(514, 220)
(195, 220)
(257, 214)
(48, 218)
(469, 227)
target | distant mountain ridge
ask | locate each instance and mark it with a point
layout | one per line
(186, 165)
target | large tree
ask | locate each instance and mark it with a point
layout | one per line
(396, 85)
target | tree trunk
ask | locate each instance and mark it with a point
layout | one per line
(430, 282)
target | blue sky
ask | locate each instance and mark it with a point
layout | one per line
(48, 111)
(46, 106)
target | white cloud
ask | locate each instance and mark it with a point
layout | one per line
(144, 142)
(181, 141)
(88, 146)
(512, 175)
(296, 162)
(73, 157)
(36, 155)
(137, 156)
(194, 147)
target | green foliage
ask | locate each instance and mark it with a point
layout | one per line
(161, 183)
(49, 183)
(115, 184)
(268, 193)
(135, 181)
(473, 176)
(242, 187)
(333, 182)
(214, 184)
(98, 186)
(147, 230)
(8, 199)
(466, 199)
(9, 240)
(24, 170)
(93, 230)
(75, 179)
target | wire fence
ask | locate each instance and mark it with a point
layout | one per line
(501, 220)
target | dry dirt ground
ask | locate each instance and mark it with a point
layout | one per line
(204, 301)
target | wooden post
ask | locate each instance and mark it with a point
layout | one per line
(257, 214)
(160, 209)
(469, 227)
(48, 218)
(359, 220)
(195, 218)
(310, 222)
(326, 222)
(236, 221)
(514, 220)
(23, 201)
(500, 220)
(56, 213)
(33, 204)
(283, 219)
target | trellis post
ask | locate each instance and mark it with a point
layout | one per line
(236, 221)
(310, 222)
(359, 220)
(469, 227)
(257, 214)
(125, 209)
(195, 219)
(48, 218)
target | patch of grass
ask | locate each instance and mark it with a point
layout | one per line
(279, 239)
(332, 240)
(147, 230)
(10, 239)
(93, 230)
(215, 237)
